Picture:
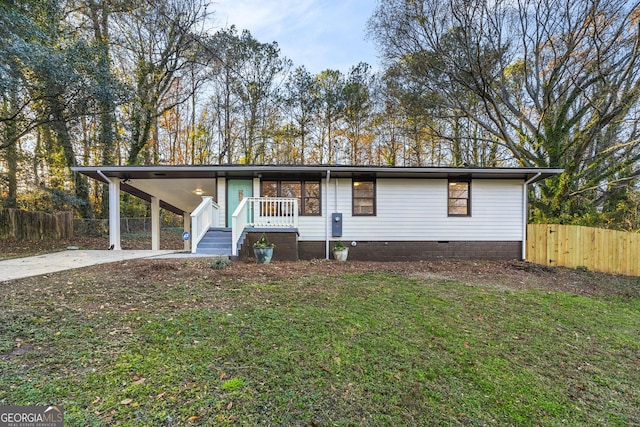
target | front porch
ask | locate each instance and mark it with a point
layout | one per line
(218, 212)
(253, 216)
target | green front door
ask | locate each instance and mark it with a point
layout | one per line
(237, 189)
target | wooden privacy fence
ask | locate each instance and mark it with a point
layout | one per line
(597, 249)
(18, 224)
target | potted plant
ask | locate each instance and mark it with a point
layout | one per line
(340, 251)
(263, 249)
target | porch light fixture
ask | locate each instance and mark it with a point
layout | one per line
(199, 192)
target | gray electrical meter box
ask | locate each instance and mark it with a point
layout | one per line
(336, 224)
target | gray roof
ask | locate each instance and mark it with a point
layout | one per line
(246, 171)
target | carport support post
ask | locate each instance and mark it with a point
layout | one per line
(114, 214)
(186, 220)
(155, 223)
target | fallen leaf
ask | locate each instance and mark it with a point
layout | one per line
(96, 400)
(161, 395)
(140, 381)
(193, 418)
(230, 405)
(126, 401)
(222, 375)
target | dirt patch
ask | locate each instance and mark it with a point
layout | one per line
(105, 280)
(18, 351)
(111, 282)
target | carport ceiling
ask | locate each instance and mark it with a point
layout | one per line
(185, 194)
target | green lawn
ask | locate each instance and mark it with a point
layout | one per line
(356, 349)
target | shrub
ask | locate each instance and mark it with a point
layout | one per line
(220, 263)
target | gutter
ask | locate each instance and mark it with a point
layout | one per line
(525, 213)
(326, 228)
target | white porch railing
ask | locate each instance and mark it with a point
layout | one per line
(262, 212)
(205, 216)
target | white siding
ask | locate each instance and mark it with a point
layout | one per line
(416, 209)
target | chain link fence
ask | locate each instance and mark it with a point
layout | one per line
(83, 227)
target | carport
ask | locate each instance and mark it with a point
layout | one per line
(178, 189)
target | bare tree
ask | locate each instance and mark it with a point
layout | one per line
(357, 113)
(157, 41)
(329, 98)
(300, 107)
(554, 82)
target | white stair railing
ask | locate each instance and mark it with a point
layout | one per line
(240, 219)
(262, 212)
(205, 216)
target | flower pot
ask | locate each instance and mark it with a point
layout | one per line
(341, 255)
(263, 255)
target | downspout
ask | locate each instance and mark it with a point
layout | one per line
(103, 176)
(326, 228)
(335, 195)
(525, 213)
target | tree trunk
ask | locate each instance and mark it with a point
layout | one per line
(59, 126)
(11, 156)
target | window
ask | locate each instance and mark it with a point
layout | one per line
(311, 198)
(269, 189)
(364, 197)
(459, 198)
(307, 193)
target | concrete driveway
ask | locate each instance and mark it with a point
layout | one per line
(50, 263)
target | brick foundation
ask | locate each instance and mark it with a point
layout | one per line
(417, 251)
(286, 245)
(288, 248)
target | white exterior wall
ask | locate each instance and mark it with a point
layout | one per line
(416, 209)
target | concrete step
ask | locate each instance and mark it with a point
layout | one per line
(214, 251)
(216, 242)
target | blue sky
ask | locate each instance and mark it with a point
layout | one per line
(318, 34)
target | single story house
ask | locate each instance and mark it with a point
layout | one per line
(382, 213)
